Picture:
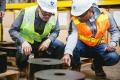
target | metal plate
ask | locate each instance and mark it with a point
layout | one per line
(44, 61)
(38, 64)
(59, 74)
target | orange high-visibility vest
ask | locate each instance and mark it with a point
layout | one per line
(85, 34)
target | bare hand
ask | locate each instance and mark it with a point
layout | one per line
(66, 59)
(44, 46)
(26, 47)
(110, 48)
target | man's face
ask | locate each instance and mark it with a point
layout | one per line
(45, 15)
(86, 16)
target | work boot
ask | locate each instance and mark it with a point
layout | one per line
(76, 68)
(99, 72)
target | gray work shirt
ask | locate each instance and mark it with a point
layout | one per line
(2, 5)
(73, 37)
(39, 27)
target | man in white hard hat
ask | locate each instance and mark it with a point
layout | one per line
(35, 31)
(88, 37)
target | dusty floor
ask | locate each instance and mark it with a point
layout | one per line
(113, 72)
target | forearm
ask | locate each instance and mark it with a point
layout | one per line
(55, 32)
(115, 34)
(16, 36)
(115, 38)
(53, 36)
(71, 41)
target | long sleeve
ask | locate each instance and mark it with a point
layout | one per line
(71, 41)
(15, 28)
(115, 34)
(55, 32)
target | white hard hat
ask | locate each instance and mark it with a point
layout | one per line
(48, 5)
(81, 6)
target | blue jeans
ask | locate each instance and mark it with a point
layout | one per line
(100, 57)
(56, 51)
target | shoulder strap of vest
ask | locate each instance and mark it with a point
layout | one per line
(52, 20)
(75, 20)
(103, 10)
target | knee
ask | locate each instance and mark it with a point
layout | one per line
(58, 49)
(112, 59)
(60, 44)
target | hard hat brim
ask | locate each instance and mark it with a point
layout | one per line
(53, 11)
(78, 8)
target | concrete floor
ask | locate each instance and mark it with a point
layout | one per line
(113, 72)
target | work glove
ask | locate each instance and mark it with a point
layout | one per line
(26, 47)
(66, 59)
(110, 47)
(44, 46)
(2, 13)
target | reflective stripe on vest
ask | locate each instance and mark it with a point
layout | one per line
(93, 39)
(84, 32)
(88, 39)
(27, 27)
